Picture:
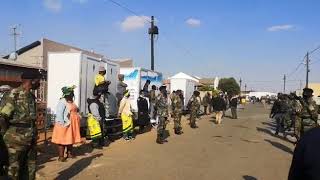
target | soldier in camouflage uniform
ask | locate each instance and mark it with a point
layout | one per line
(161, 107)
(194, 107)
(19, 114)
(308, 117)
(176, 107)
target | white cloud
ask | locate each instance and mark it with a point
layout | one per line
(132, 23)
(193, 22)
(53, 5)
(284, 27)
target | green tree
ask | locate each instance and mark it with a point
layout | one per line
(206, 88)
(229, 85)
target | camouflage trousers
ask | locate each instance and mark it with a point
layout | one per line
(22, 153)
(303, 125)
(161, 126)
(177, 120)
(193, 117)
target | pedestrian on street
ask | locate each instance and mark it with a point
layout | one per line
(233, 106)
(219, 105)
(206, 102)
(176, 108)
(162, 113)
(18, 123)
(125, 112)
(97, 110)
(143, 112)
(194, 106)
(121, 87)
(66, 131)
(306, 158)
(280, 112)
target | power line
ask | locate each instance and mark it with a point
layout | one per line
(129, 10)
(297, 68)
(311, 52)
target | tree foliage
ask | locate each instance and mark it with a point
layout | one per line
(229, 85)
(206, 88)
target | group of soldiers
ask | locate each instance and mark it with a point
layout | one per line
(295, 113)
(176, 107)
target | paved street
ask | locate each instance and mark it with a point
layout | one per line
(237, 149)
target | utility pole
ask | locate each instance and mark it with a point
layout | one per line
(15, 35)
(284, 84)
(153, 30)
(240, 81)
(308, 70)
(245, 87)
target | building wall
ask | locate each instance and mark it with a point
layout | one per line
(32, 57)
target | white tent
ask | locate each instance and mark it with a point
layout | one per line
(184, 82)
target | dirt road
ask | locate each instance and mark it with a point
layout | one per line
(236, 150)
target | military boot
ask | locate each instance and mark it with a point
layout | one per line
(159, 140)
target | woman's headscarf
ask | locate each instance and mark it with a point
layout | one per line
(66, 91)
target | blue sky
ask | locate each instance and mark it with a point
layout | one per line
(257, 40)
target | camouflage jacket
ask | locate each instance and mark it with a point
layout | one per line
(194, 104)
(176, 104)
(162, 106)
(309, 110)
(19, 107)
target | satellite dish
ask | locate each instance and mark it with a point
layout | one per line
(13, 56)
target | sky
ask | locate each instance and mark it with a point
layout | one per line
(256, 40)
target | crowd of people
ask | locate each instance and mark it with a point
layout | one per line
(155, 105)
(295, 114)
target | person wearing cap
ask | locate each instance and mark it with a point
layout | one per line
(125, 112)
(17, 121)
(308, 117)
(66, 131)
(162, 110)
(99, 78)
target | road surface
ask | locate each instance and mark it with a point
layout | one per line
(242, 149)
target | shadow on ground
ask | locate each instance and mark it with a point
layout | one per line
(246, 177)
(77, 167)
(48, 153)
(280, 146)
